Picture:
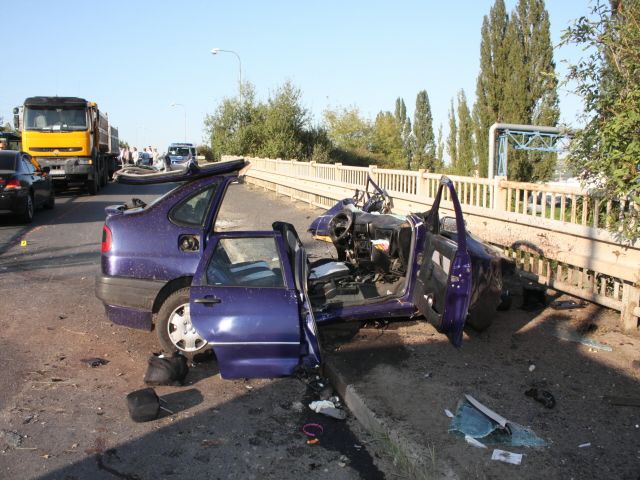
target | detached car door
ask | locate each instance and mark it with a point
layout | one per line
(244, 302)
(443, 284)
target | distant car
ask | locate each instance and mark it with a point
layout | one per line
(254, 297)
(180, 153)
(24, 185)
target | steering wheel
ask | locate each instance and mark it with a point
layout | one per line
(340, 225)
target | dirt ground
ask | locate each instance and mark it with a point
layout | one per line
(409, 375)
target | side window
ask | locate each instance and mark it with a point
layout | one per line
(192, 210)
(245, 262)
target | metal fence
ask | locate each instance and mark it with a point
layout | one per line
(555, 233)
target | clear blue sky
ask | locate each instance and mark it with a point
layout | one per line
(137, 57)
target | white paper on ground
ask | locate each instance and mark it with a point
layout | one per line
(507, 457)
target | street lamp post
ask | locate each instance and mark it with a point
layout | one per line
(185, 118)
(215, 51)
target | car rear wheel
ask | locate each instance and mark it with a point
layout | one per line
(27, 215)
(174, 328)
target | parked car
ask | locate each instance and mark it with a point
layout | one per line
(254, 297)
(24, 185)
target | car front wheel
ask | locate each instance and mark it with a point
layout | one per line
(174, 328)
(27, 215)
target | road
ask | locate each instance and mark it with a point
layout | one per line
(60, 418)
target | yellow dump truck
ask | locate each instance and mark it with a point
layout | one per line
(72, 137)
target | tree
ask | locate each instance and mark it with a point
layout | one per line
(605, 152)
(440, 150)
(387, 142)
(491, 79)
(425, 148)
(517, 82)
(284, 124)
(404, 124)
(466, 147)
(452, 139)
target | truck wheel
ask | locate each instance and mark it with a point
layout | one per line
(174, 328)
(27, 215)
(92, 186)
(51, 201)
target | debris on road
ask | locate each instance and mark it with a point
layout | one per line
(622, 401)
(577, 338)
(473, 442)
(144, 405)
(506, 457)
(164, 370)
(542, 396)
(12, 439)
(584, 445)
(94, 362)
(477, 421)
(566, 304)
(325, 407)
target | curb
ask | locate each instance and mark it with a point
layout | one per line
(401, 446)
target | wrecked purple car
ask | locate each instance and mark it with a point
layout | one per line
(254, 297)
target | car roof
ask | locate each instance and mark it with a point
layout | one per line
(192, 171)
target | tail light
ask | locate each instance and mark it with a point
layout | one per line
(12, 184)
(107, 240)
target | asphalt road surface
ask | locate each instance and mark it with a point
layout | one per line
(62, 419)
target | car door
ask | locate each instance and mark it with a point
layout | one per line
(39, 180)
(443, 283)
(245, 303)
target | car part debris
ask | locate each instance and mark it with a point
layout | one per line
(94, 362)
(473, 442)
(325, 407)
(577, 338)
(144, 405)
(567, 305)
(622, 401)
(506, 457)
(533, 297)
(584, 445)
(312, 430)
(164, 370)
(542, 396)
(478, 421)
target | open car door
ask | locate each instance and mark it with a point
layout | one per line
(245, 304)
(443, 285)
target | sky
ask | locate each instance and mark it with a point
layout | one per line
(136, 58)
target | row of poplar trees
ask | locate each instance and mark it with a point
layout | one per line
(516, 84)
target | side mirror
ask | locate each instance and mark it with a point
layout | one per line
(448, 224)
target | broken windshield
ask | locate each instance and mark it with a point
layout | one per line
(55, 119)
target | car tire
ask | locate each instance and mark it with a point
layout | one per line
(51, 201)
(29, 208)
(174, 328)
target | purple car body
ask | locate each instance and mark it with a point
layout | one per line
(253, 296)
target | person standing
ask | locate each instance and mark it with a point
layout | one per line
(134, 156)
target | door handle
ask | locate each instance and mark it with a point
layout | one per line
(207, 300)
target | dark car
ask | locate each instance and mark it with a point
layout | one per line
(254, 297)
(24, 185)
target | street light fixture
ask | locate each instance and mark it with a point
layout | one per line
(215, 51)
(185, 118)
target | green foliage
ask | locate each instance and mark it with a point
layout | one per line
(516, 83)
(348, 131)
(406, 137)
(386, 144)
(440, 150)
(452, 139)
(466, 146)
(425, 147)
(206, 152)
(606, 151)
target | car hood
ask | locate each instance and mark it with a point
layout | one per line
(192, 171)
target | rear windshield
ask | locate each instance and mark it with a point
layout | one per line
(8, 162)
